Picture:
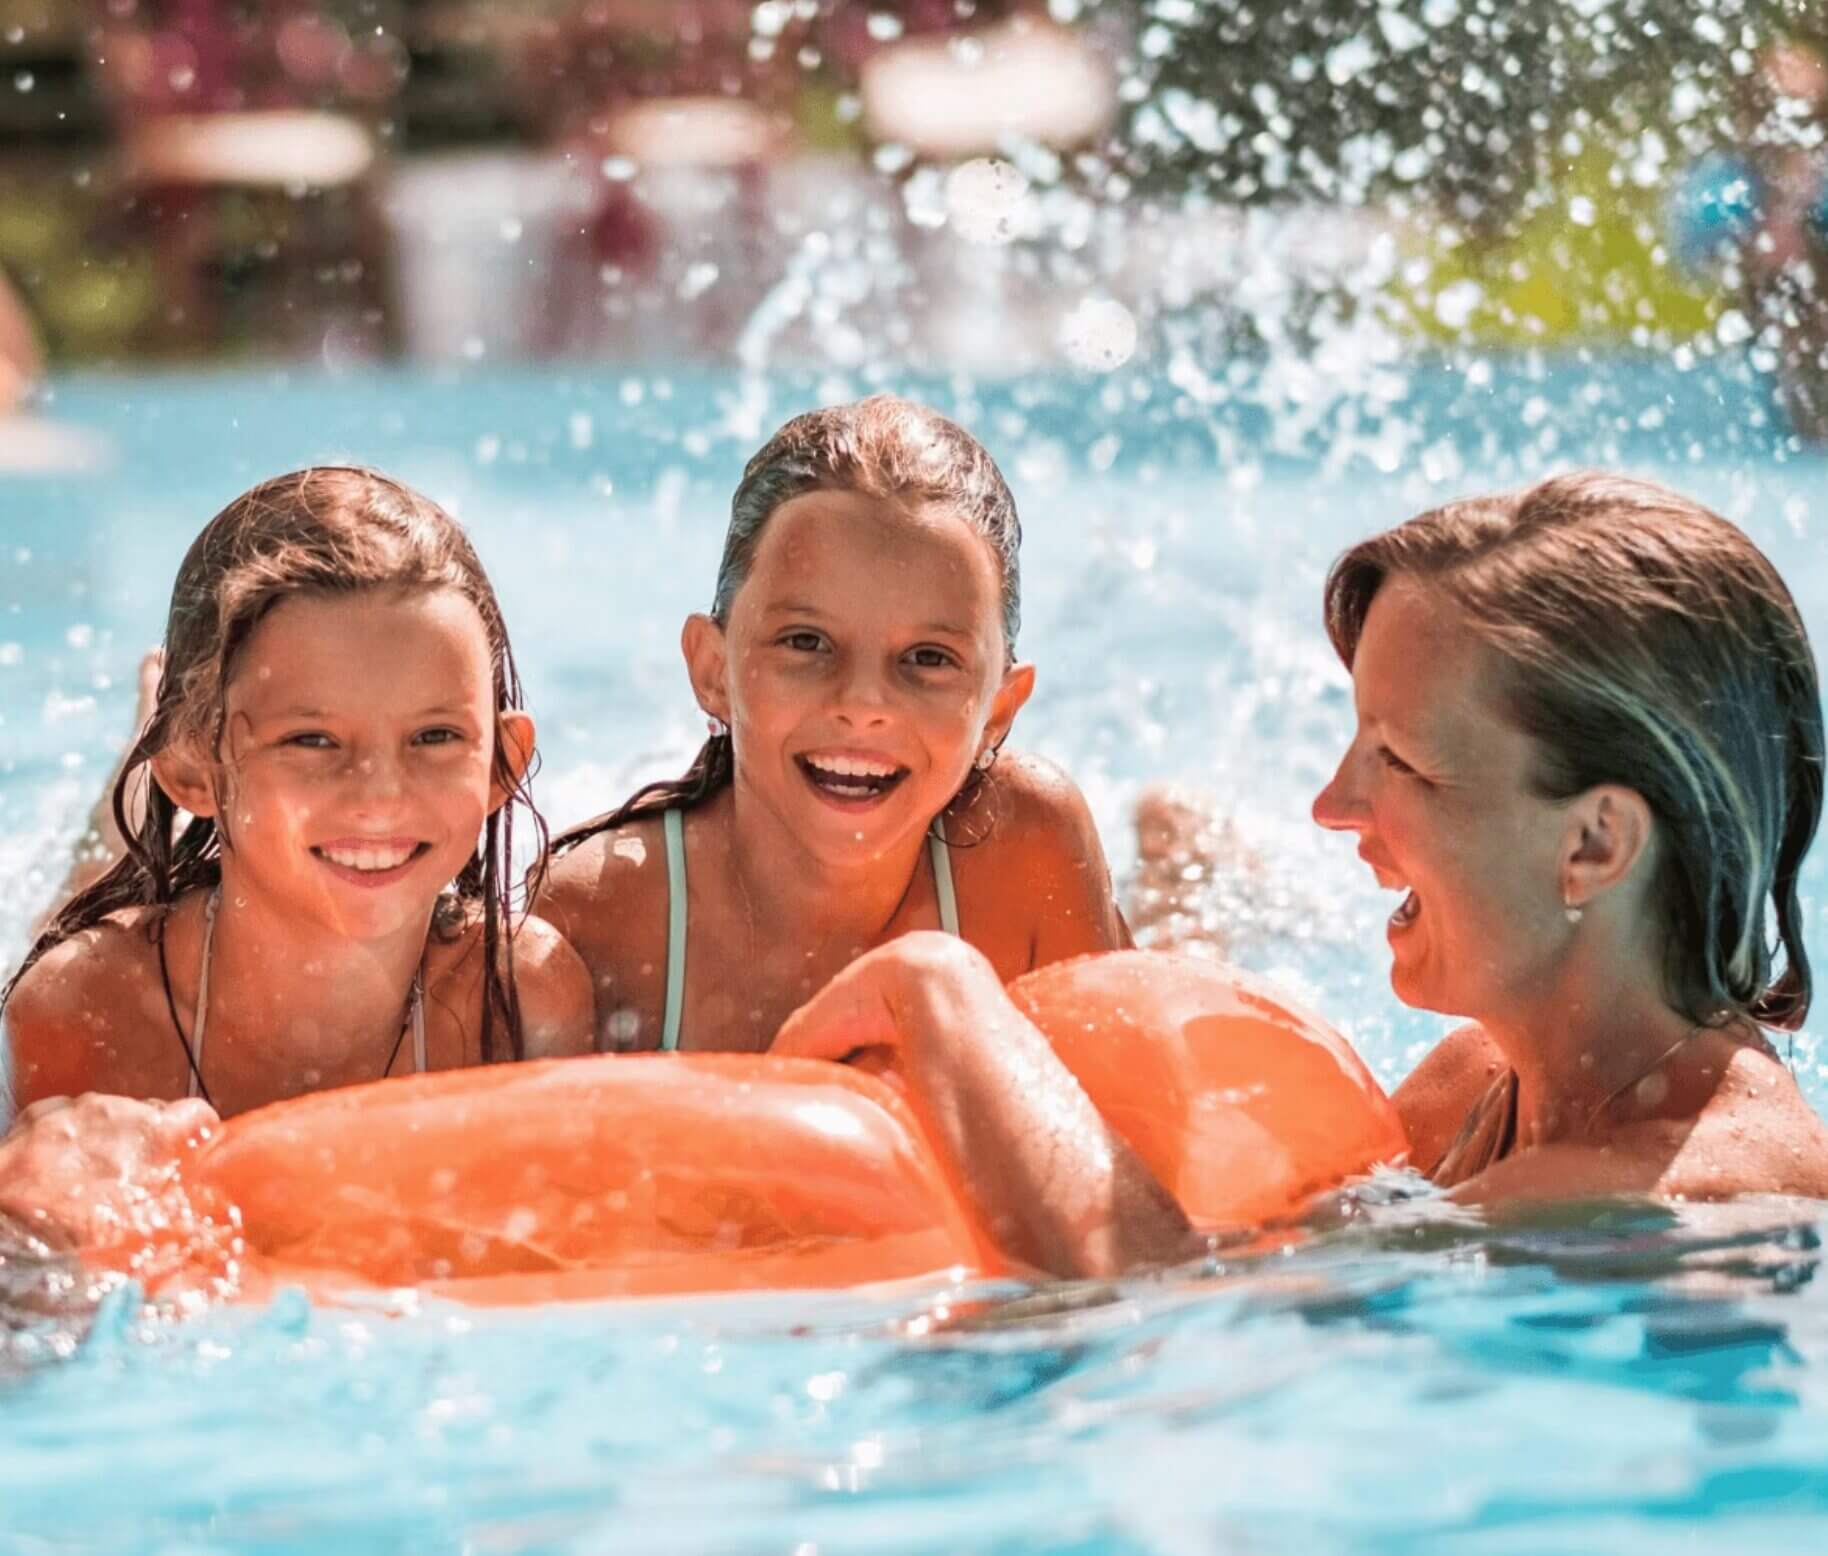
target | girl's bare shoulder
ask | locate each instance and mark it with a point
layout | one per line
(558, 1013)
(557, 1005)
(591, 891)
(85, 1015)
(1029, 860)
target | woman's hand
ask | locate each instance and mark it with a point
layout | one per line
(80, 1172)
(1050, 1181)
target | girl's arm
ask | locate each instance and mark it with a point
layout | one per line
(1050, 1180)
(75, 1022)
(74, 1170)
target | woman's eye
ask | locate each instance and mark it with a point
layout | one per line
(1394, 762)
(929, 658)
(803, 642)
(309, 740)
(438, 737)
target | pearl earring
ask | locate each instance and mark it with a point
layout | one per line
(986, 759)
(1572, 913)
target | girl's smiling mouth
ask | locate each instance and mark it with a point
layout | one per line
(374, 861)
(850, 778)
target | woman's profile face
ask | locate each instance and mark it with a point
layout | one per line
(1436, 784)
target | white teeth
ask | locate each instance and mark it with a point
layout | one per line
(367, 859)
(1408, 910)
(850, 767)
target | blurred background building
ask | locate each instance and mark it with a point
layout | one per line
(994, 184)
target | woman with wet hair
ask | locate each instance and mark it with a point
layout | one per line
(1589, 753)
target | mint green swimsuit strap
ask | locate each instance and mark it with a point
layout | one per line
(942, 876)
(674, 823)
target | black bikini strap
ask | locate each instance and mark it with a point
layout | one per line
(171, 1004)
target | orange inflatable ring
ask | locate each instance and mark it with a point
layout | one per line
(655, 1174)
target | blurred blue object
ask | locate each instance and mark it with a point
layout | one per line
(1816, 216)
(1714, 208)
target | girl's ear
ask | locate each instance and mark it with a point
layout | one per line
(707, 664)
(184, 774)
(1018, 686)
(515, 730)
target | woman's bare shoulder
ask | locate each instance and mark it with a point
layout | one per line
(1757, 1135)
(1435, 1099)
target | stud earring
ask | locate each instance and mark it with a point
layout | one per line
(1571, 913)
(717, 727)
(986, 759)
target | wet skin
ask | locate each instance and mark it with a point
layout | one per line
(352, 778)
(862, 671)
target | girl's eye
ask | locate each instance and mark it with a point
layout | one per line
(310, 740)
(803, 642)
(928, 657)
(438, 737)
(1394, 762)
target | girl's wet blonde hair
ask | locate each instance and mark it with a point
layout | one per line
(1646, 642)
(329, 530)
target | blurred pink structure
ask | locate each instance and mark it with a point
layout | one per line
(274, 95)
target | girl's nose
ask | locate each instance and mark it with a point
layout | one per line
(861, 699)
(377, 775)
(1338, 806)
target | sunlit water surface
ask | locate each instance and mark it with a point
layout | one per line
(1611, 1379)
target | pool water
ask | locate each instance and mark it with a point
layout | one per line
(1615, 1378)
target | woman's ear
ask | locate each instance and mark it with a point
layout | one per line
(707, 664)
(1018, 686)
(185, 775)
(1608, 832)
(515, 731)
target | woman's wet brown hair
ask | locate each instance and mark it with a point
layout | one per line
(1648, 643)
(329, 530)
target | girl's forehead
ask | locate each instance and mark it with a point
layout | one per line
(376, 636)
(838, 532)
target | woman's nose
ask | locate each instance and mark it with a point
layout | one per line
(1338, 806)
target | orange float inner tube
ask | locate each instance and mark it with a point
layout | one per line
(659, 1174)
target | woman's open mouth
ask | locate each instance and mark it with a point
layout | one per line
(1407, 911)
(850, 780)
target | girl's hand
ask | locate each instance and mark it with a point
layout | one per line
(871, 1009)
(1049, 1181)
(73, 1171)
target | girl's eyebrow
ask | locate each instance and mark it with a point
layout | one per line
(803, 608)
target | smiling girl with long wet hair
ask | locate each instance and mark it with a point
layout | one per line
(306, 902)
(858, 666)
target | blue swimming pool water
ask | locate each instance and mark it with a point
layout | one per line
(1618, 1381)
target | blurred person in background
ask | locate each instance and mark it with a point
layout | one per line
(247, 137)
(20, 359)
